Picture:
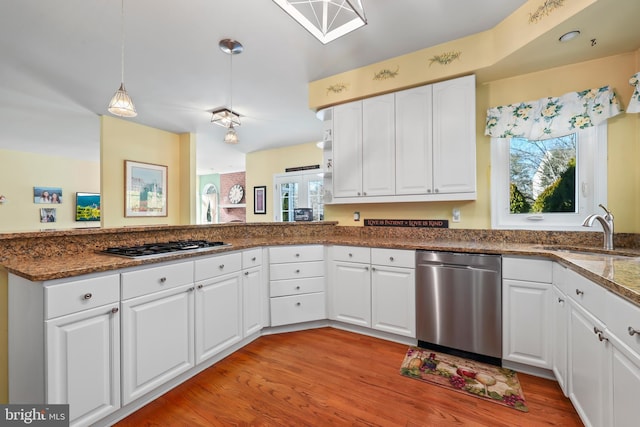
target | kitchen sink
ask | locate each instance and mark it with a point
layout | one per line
(591, 251)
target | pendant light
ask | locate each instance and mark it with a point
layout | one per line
(228, 117)
(121, 103)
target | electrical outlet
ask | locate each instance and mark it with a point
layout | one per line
(356, 216)
(455, 215)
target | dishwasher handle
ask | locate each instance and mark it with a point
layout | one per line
(456, 266)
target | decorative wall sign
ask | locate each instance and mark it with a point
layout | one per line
(445, 58)
(417, 223)
(145, 189)
(386, 74)
(302, 168)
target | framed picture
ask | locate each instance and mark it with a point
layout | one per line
(260, 200)
(47, 195)
(145, 192)
(87, 206)
(48, 215)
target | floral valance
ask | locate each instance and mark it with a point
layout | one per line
(552, 117)
(634, 104)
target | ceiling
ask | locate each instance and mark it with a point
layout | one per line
(60, 65)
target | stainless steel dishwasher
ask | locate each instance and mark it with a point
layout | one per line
(459, 304)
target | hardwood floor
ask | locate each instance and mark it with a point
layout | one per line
(326, 377)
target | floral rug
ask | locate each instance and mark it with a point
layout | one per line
(495, 384)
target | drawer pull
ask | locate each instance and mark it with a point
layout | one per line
(596, 330)
(560, 300)
(350, 255)
(114, 310)
(297, 288)
(221, 266)
(298, 304)
(579, 292)
(390, 258)
(633, 331)
(253, 259)
(163, 279)
(87, 296)
(602, 337)
(297, 255)
(298, 271)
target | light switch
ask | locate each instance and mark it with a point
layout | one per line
(356, 216)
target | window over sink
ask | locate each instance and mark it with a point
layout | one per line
(550, 184)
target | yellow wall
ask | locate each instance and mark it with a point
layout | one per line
(122, 140)
(21, 171)
(262, 165)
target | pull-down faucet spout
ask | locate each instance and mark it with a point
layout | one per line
(607, 226)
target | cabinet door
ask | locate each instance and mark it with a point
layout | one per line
(378, 146)
(559, 325)
(454, 136)
(625, 379)
(83, 363)
(347, 150)
(393, 300)
(414, 140)
(588, 380)
(218, 315)
(526, 331)
(157, 340)
(252, 296)
(351, 293)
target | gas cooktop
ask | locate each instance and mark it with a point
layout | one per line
(152, 250)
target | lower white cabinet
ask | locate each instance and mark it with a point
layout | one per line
(296, 285)
(559, 320)
(527, 311)
(374, 288)
(625, 383)
(157, 339)
(252, 292)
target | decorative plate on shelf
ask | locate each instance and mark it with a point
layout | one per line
(235, 194)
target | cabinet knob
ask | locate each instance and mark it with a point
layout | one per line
(373, 269)
(366, 268)
(602, 337)
(298, 304)
(632, 331)
(437, 190)
(298, 271)
(163, 279)
(390, 258)
(253, 259)
(358, 193)
(191, 289)
(114, 310)
(560, 300)
(429, 190)
(221, 266)
(364, 193)
(350, 255)
(200, 286)
(596, 330)
(87, 296)
(297, 288)
(579, 292)
(246, 273)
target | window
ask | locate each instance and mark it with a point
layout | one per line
(298, 190)
(550, 184)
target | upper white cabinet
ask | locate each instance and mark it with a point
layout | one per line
(414, 145)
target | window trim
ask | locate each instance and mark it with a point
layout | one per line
(591, 182)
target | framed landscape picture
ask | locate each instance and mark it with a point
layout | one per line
(145, 192)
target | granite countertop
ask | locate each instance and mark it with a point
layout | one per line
(618, 273)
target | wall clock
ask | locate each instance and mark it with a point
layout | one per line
(235, 194)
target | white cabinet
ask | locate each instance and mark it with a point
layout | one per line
(559, 325)
(218, 304)
(414, 141)
(347, 150)
(378, 146)
(252, 292)
(413, 145)
(64, 344)
(526, 301)
(454, 136)
(296, 284)
(374, 288)
(157, 327)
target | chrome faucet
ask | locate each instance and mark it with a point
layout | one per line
(607, 226)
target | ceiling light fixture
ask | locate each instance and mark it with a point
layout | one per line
(226, 116)
(569, 36)
(121, 103)
(326, 20)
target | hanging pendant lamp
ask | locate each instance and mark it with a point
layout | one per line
(227, 117)
(121, 103)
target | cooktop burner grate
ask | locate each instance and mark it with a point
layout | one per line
(159, 249)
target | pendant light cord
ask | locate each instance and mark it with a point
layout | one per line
(122, 41)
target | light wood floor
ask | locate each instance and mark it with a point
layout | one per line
(326, 377)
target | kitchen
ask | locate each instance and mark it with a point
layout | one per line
(623, 137)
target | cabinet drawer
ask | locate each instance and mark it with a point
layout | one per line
(71, 297)
(279, 288)
(297, 308)
(352, 254)
(296, 271)
(393, 257)
(251, 258)
(527, 269)
(282, 254)
(215, 266)
(142, 282)
(620, 316)
(589, 295)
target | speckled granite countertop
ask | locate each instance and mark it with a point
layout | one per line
(620, 274)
